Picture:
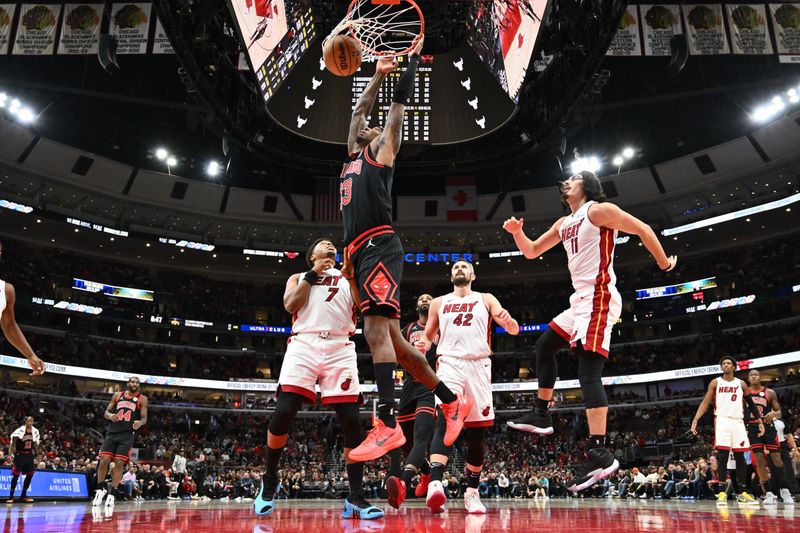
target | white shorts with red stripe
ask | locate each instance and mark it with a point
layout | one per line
(473, 378)
(312, 358)
(730, 434)
(590, 318)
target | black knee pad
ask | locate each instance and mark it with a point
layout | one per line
(590, 372)
(285, 410)
(476, 445)
(437, 444)
(352, 432)
(546, 366)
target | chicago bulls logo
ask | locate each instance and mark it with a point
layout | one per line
(346, 383)
(744, 365)
(486, 410)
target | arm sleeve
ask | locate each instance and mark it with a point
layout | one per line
(405, 85)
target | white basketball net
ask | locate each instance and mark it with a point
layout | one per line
(384, 30)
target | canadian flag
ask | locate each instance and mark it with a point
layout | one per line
(462, 200)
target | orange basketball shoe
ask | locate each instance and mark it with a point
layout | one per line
(455, 413)
(380, 440)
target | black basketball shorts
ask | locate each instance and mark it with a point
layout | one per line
(415, 397)
(117, 446)
(768, 441)
(23, 465)
(377, 256)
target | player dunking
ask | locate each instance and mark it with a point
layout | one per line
(730, 396)
(463, 319)
(126, 413)
(416, 416)
(365, 189)
(588, 234)
(22, 450)
(8, 323)
(761, 445)
(319, 351)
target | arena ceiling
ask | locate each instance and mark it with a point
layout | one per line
(153, 101)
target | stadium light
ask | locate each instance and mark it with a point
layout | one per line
(161, 154)
(591, 163)
(26, 115)
(618, 160)
(171, 161)
(628, 153)
(212, 168)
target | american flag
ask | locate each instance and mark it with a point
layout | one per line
(326, 200)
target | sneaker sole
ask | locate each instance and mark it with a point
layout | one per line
(595, 478)
(436, 501)
(396, 498)
(378, 452)
(531, 429)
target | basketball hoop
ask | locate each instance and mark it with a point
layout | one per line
(383, 28)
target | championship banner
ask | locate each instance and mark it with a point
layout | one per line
(80, 29)
(748, 24)
(627, 41)
(161, 44)
(706, 29)
(36, 31)
(7, 12)
(130, 24)
(786, 25)
(659, 24)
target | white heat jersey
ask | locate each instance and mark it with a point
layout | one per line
(330, 307)
(728, 401)
(2, 297)
(590, 250)
(464, 327)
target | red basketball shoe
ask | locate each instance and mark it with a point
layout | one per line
(422, 487)
(455, 413)
(380, 440)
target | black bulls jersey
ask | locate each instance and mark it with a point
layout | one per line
(413, 332)
(762, 405)
(25, 444)
(127, 411)
(365, 194)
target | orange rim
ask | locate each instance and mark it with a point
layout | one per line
(390, 54)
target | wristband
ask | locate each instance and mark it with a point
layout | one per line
(311, 277)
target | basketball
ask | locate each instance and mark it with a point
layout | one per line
(342, 55)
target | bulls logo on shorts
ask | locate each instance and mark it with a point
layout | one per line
(486, 410)
(346, 383)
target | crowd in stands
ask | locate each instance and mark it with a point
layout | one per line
(753, 269)
(178, 456)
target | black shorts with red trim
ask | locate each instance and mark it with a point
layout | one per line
(413, 397)
(377, 256)
(24, 464)
(117, 446)
(768, 441)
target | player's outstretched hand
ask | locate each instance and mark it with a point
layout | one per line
(386, 65)
(422, 346)
(418, 49)
(37, 365)
(513, 226)
(347, 265)
(671, 262)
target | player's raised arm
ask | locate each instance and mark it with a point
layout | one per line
(11, 330)
(358, 122)
(500, 315)
(533, 249)
(703, 407)
(392, 135)
(610, 216)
